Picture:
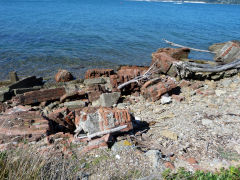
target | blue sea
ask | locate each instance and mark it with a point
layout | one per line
(37, 37)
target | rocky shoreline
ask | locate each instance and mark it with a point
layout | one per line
(159, 122)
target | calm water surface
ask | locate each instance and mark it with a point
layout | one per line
(38, 37)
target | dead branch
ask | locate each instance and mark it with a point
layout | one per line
(90, 136)
(178, 45)
(146, 75)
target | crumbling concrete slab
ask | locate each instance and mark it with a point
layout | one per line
(75, 104)
(94, 81)
(228, 53)
(92, 120)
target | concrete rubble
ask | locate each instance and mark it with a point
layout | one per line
(95, 113)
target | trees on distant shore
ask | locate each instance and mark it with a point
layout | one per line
(221, 1)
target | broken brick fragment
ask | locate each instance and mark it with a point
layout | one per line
(39, 96)
(92, 120)
(176, 53)
(94, 92)
(155, 91)
(63, 117)
(96, 143)
(94, 73)
(169, 165)
(165, 57)
(24, 125)
(124, 74)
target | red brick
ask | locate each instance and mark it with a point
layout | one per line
(176, 53)
(162, 61)
(28, 125)
(107, 118)
(94, 92)
(184, 83)
(165, 57)
(2, 107)
(178, 98)
(63, 117)
(191, 160)
(169, 165)
(126, 73)
(155, 91)
(196, 85)
(96, 143)
(39, 96)
(94, 73)
(63, 76)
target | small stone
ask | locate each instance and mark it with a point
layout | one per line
(220, 92)
(122, 145)
(169, 134)
(118, 157)
(166, 99)
(192, 160)
(207, 122)
(178, 98)
(154, 156)
(138, 118)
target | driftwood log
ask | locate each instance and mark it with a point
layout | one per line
(181, 46)
(184, 68)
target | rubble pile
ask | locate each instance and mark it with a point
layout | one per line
(94, 111)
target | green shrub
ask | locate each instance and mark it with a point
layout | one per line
(233, 173)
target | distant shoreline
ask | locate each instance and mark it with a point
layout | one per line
(191, 2)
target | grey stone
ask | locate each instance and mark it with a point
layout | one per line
(122, 146)
(166, 99)
(13, 77)
(27, 83)
(75, 104)
(123, 105)
(4, 94)
(96, 103)
(155, 157)
(24, 90)
(94, 81)
(109, 99)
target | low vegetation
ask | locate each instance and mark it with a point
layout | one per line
(233, 173)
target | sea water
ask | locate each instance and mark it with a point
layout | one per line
(37, 37)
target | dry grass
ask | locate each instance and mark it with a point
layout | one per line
(27, 163)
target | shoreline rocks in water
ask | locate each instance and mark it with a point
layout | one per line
(187, 123)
